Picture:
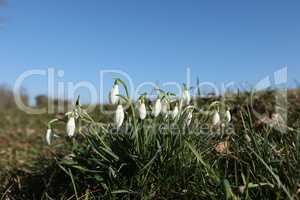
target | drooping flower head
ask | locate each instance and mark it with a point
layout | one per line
(71, 126)
(142, 108)
(228, 116)
(113, 94)
(157, 107)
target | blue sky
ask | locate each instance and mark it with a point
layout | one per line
(155, 40)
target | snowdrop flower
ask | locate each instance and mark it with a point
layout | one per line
(157, 107)
(113, 94)
(48, 136)
(175, 111)
(119, 116)
(71, 127)
(142, 110)
(216, 118)
(228, 116)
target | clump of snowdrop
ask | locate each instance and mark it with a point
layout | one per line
(119, 116)
(157, 107)
(142, 109)
(71, 126)
(114, 93)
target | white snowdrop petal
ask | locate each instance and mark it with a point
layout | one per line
(228, 116)
(71, 127)
(142, 111)
(157, 108)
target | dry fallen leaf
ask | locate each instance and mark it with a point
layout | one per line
(222, 147)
